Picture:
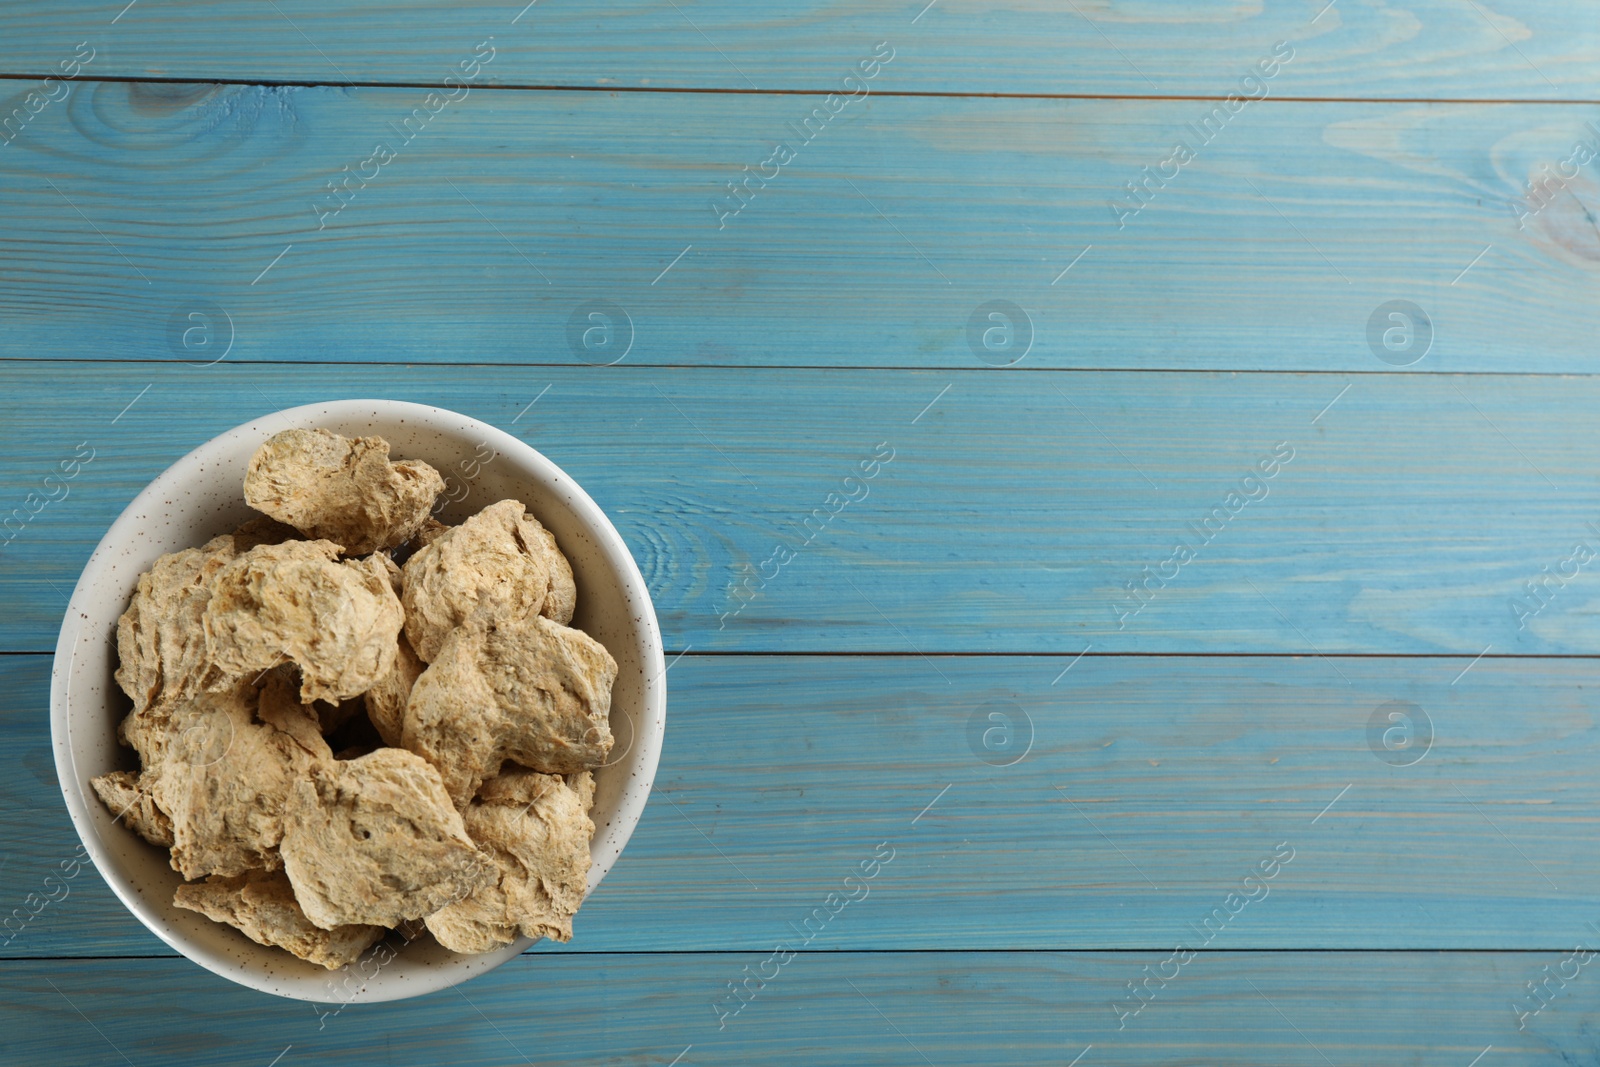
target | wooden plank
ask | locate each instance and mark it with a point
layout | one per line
(1142, 794)
(511, 218)
(1278, 1009)
(1431, 48)
(1013, 516)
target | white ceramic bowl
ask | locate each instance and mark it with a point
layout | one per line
(202, 495)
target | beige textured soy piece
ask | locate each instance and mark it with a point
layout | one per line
(127, 795)
(503, 555)
(262, 905)
(225, 781)
(527, 689)
(341, 489)
(292, 602)
(537, 829)
(386, 700)
(376, 840)
(161, 646)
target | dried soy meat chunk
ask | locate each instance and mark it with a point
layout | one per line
(161, 645)
(537, 829)
(376, 840)
(127, 795)
(528, 690)
(386, 700)
(225, 778)
(341, 489)
(337, 621)
(501, 555)
(262, 905)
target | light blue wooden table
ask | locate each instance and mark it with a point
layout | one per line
(1211, 652)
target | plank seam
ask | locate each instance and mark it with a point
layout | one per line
(932, 952)
(538, 87)
(819, 367)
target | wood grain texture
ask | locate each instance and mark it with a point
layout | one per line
(490, 235)
(1282, 1010)
(1015, 513)
(1116, 808)
(1423, 48)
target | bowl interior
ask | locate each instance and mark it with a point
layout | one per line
(201, 496)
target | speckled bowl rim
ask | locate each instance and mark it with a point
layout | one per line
(92, 613)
